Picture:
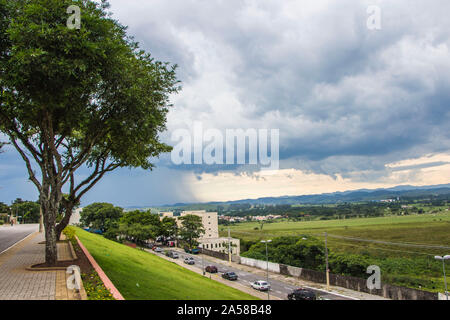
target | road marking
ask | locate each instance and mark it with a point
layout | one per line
(331, 293)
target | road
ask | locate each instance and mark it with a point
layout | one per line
(278, 288)
(11, 235)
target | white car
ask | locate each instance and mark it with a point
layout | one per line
(261, 285)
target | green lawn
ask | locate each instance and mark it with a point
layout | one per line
(140, 275)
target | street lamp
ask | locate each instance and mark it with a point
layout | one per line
(267, 260)
(443, 258)
(203, 264)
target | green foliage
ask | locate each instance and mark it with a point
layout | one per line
(191, 229)
(169, 227)
(95, 289)
(140, 226)
(29, 210)
(73, 99)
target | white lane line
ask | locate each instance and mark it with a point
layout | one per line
(16, 243)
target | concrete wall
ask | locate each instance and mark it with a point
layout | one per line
(220, 255)
(273, 267)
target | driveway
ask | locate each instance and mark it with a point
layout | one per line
(11, 235)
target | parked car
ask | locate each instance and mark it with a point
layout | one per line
(189, 260)
(193, 251)
(302, 294)
(211, 269)
(261, 285)
(230, 276)
(172, 254)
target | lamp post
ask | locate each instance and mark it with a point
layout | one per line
(443, 258)
(267, 261)
(203, 264)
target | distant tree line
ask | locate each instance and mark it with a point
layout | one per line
(140, 226)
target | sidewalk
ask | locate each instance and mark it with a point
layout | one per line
(17, 283)
(297, 282)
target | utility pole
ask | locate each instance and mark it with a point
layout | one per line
(326, 263)
(229, 247)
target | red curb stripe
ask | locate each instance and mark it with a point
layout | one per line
(108, 284)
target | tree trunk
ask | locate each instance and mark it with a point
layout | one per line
(51, 255)
(65, 221)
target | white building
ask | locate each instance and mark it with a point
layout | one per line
(210, 239)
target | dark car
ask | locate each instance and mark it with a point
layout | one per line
(211, 269)
(230, 276)
(172, 254)
(302, 294)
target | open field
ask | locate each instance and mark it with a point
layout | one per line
(425, 228)
(139, 275)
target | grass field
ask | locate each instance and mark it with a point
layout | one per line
(431, 229)
(140, 275)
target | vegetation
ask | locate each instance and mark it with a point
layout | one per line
(191, 229)
(77, 98)
(94, 286)
(401, 265)
(102, 216)
(141, 275)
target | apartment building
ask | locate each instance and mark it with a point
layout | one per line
(210, 239)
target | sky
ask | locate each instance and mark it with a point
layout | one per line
(360, 100)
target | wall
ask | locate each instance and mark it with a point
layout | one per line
(220, 255)
(273, 267)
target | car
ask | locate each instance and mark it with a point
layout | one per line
(261, 285)
(189, 260)
(158, 249)
(230, 275)
(172, 254)
(211, 269)
(302, 294)
(193, 251)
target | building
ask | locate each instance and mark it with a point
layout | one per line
(210, 239)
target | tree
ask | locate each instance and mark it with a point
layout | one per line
(103, 216)
(169, 227)
(191, 229)
(74, 99)
(28, 210)
(140, 226)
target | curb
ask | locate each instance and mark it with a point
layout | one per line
(106, 281)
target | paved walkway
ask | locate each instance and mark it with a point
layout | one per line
(17, 283)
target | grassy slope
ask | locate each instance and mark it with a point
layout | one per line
(140, 275)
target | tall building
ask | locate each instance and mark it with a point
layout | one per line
(210, 239)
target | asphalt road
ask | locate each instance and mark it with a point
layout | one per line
(11, 235)
(278, 288)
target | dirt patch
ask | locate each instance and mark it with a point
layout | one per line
(82, 261)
